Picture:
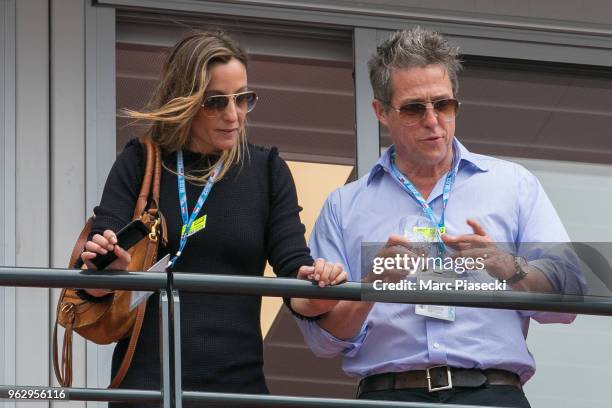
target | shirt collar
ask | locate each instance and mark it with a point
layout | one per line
(476, 160)
(463, 154)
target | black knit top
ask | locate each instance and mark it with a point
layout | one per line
(252, 216)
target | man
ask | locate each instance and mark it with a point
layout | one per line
(415, 353)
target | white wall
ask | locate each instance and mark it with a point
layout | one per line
(58, 47)
(7, 186)
(32, 189)
(100, 129)
(67, 150)
(574, 362)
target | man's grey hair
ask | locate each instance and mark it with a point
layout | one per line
(409, 49)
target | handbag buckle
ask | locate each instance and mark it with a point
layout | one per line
(449, 384)
(68, 307)
(153, 233)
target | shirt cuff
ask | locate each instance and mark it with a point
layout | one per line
(324, 344)
(545, 266)
(549, 317)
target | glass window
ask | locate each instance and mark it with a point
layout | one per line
(538, 111)
(303, 79)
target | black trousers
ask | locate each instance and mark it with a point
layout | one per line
(491, 395)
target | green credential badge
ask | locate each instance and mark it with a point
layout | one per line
(429, 233)
(197, 225)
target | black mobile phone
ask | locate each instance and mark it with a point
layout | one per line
(127, 237)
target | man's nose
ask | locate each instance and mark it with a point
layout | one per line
(430, 117)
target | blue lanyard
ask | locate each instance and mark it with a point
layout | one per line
(414, 193)
(188, 220)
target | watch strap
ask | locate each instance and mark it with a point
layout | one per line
(520, 265)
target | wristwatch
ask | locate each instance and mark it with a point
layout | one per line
(520, 266)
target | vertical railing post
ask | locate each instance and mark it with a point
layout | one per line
(164, 348)
(176, 320)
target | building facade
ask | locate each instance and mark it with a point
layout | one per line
(536, 88)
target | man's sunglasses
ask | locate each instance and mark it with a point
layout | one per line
(215, 104)
(412, 113)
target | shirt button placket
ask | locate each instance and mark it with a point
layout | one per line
(435, 345)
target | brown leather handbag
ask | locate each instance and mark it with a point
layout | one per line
(110, 319)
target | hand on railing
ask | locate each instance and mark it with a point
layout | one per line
(325, 274)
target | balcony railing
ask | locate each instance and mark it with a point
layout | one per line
(172, 394)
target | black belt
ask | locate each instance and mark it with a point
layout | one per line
(438, 378)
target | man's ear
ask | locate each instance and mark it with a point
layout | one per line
(379, 110)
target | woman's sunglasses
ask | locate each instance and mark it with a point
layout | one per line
(412, 113)
(214, 105)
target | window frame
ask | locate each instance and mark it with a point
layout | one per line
(7, 187)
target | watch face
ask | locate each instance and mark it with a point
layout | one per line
(521, 262)
(521, 270)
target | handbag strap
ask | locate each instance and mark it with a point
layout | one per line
(151, 178)
(149, 190)
(129, 354)
(64, 377)
(64, 373)
(152, 175)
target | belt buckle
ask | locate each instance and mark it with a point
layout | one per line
(448, 376)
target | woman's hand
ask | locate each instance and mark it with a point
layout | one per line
(325, 273)
(101, 245)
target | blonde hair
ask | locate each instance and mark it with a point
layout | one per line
(180, 92)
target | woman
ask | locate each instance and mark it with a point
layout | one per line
(197, 116)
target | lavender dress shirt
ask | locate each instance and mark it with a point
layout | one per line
(510, 204)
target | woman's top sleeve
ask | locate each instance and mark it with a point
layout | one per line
(286, 245)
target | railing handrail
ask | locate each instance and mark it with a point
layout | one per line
(251, 285)
(77, 278)
(257, 400)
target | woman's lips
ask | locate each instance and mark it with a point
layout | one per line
(228, 132)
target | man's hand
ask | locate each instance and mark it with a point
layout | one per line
(345, 318)
(396, 245)
(498, 263)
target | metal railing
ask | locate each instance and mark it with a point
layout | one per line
(172, 394)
